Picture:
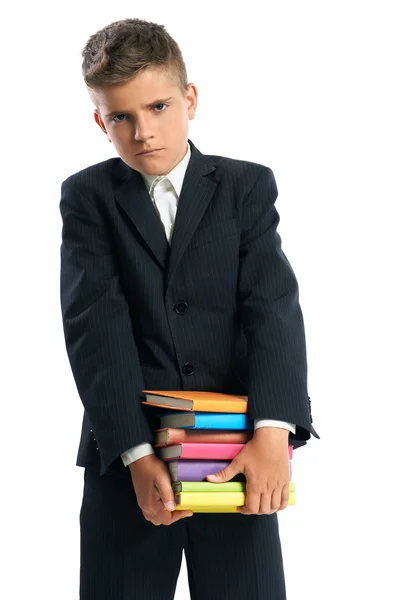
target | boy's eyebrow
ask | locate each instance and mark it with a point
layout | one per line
(160, 101)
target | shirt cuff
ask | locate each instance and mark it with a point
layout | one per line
(272, 423)
(136, 452)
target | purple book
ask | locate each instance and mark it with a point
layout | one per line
(194, 470)
(197, 470)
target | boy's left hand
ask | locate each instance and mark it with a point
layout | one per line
(265, 462)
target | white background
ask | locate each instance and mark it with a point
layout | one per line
(309, 89)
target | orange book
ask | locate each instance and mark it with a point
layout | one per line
(197, 401)
(169, 435)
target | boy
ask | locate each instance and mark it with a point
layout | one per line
(173, 277)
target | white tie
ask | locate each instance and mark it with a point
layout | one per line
(162, 194)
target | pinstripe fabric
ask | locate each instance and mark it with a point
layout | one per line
(243, 329)
(242, 332)
(124, 557)
(234, 557)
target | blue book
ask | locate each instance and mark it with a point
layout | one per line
(205, 420)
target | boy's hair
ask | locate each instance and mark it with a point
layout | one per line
(122, 49)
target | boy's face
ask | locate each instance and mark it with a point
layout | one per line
(148, 112)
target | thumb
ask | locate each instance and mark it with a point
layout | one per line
(224, 474)
(165, 491)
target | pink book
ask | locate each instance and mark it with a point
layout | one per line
(200, 451)
(203, 451)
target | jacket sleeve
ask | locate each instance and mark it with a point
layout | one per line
(98, 330)
(268, 304)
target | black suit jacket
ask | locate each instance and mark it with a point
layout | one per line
(217, 310)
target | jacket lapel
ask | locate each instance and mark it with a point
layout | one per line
(132, 195)
(197, 191)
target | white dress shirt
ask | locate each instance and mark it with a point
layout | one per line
(164, 191)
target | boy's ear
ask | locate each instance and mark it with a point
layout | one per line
(98, 120)
(192, 97)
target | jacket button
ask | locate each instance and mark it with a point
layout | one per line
(188, 369)
(180, 308)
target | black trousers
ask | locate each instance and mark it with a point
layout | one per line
(124, 557)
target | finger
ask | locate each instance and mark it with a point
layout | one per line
(225, 474)
(270, 503)
(285, 497)
(165, 491)
(180, 514)
(252, 504)
(171, 517)
(155, 511)
(151, 518)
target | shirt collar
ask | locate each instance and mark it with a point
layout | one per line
(175, 176)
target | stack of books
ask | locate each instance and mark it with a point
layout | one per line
(199, 434)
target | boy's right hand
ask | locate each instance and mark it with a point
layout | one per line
(155, 496)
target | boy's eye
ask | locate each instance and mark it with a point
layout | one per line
(155, 106)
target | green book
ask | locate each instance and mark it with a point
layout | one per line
(207, 486)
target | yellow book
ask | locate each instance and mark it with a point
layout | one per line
(211, 509)
(211, 498)
(216, 501)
